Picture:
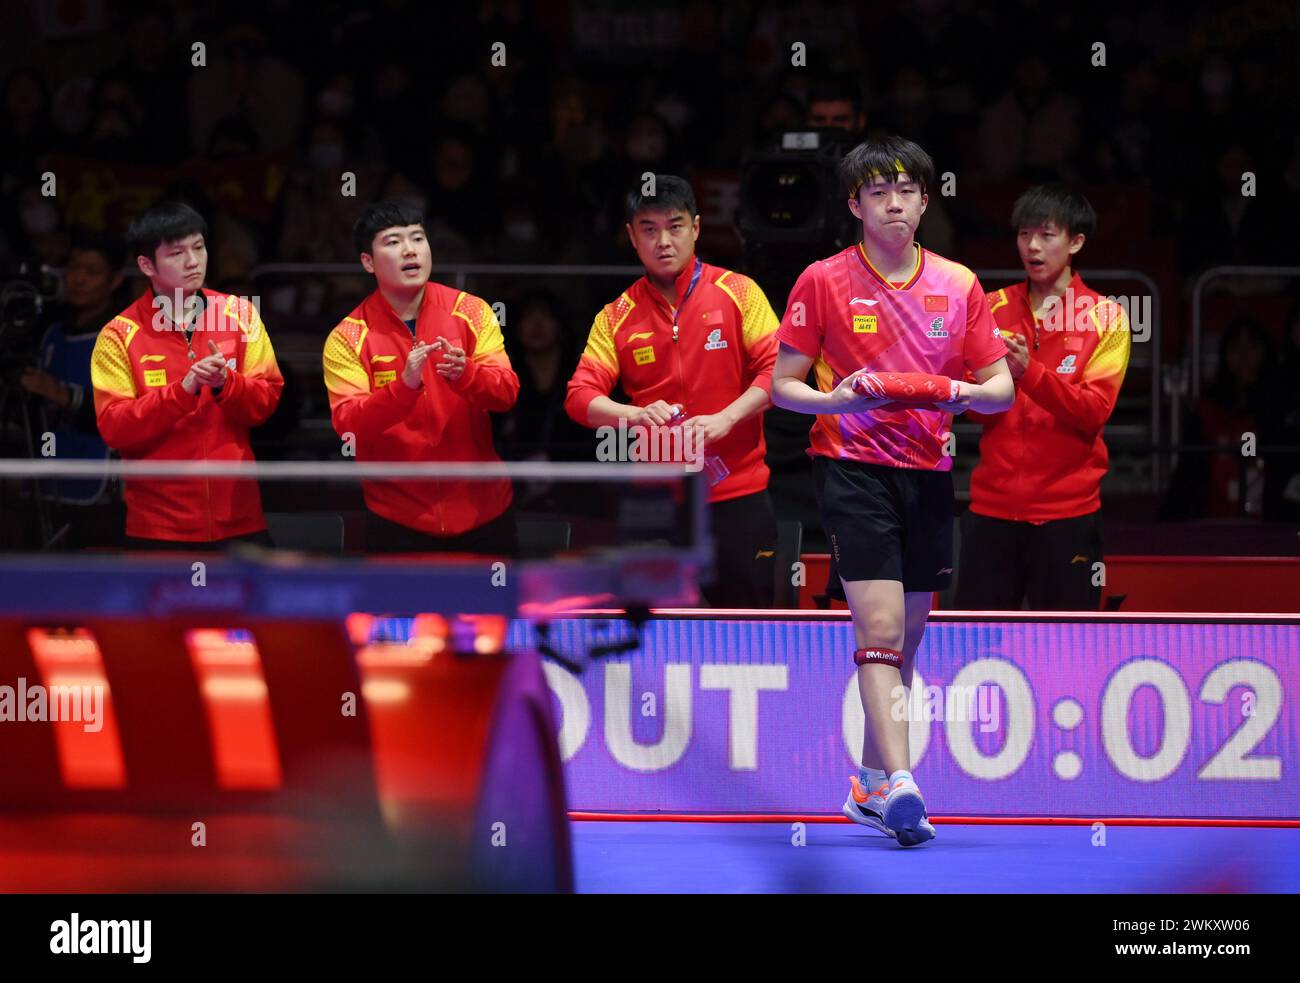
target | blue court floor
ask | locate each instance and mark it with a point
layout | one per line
(750, 858)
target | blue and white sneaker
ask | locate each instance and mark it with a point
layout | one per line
(904, 814)
(867, 808)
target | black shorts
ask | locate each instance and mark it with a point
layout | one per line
(886, 523)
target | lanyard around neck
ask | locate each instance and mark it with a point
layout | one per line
(695, 279)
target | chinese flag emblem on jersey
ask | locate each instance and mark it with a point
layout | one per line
(935, 303)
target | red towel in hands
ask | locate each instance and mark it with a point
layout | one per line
(906, 388)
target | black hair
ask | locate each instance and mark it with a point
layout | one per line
(1054, 204)
(671, 194)
(166, 221)
(386, 214)
(889, 156)
(93, 241)
(545, 299)
(1223, 388)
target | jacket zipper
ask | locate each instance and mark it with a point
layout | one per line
(427, 413)
(203, 443)
(677, 364)
(1021, 436)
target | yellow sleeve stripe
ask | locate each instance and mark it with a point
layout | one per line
(489, 342)
(758, 320)
(1110, 357)
(361, 336)
(110, 368)
(727, 290)
(131, 330)
(627, 303)
(483, 325)
(232, 311)
(344, 373)
(237, 309)
(259, 356)
(762, 325)
(465, 318)
(1116, 319)
(997, 300)
(600, 343)
(457, 312)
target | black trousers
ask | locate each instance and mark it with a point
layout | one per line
(1003, 563)
(496, 537)
(262, 538)
(744, 539)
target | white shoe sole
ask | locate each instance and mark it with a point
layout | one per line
(854, 813)
(905, 816)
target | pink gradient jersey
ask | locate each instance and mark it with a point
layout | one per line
(846, 316)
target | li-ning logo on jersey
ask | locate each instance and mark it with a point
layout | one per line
(936, 329)
(862, 300)
(715, 341)
(1067, 365)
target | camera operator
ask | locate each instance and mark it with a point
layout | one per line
(792, 214)
(62, 374)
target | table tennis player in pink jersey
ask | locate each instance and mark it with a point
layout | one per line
(881, 325)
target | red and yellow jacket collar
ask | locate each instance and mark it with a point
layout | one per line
(912, 277)
(438, 300)
(1018, 293)
(217, 308)
(680, 285)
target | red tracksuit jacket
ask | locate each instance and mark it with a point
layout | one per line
(1044, 458)
(725, 343)
(145, 414)
(442, 421)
